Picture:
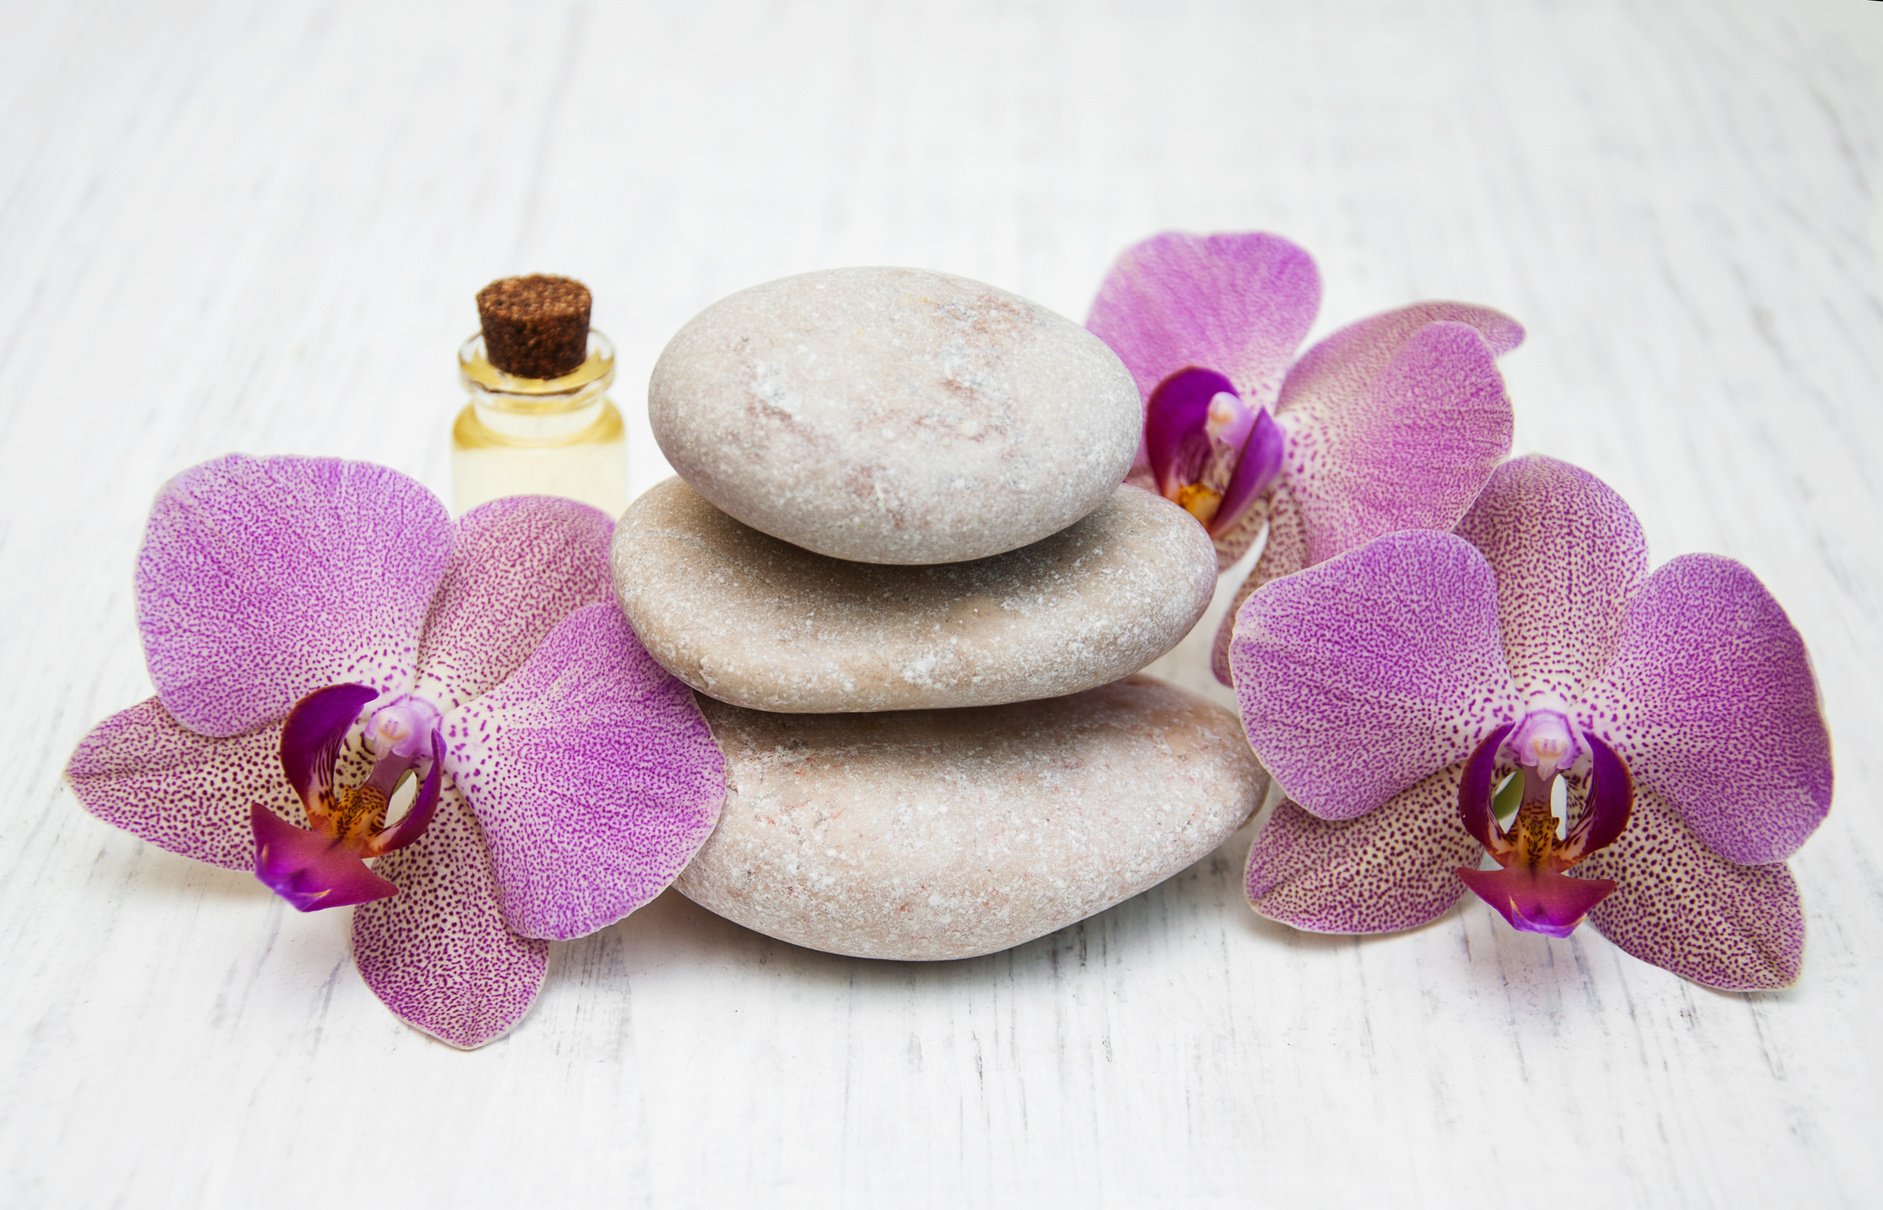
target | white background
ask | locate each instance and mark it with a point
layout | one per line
(259, 226)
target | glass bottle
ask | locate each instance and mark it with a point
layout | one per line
(520, 435)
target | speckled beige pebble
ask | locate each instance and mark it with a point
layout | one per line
(949, 833)
(894, 415)
(761, 623)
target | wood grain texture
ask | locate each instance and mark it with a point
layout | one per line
(259, 227)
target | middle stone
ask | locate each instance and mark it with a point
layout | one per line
(750, 620)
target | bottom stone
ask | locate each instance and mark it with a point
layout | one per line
(929, 834)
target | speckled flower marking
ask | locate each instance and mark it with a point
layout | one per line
(1423, 699)
(321, 637)
(1391, 423)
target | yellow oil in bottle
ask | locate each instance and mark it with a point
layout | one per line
(539, 436)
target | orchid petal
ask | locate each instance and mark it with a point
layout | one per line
(1711, 701)
(1395, 423)
(1175, 420)
(593, 774)
(519, 566)
(438, 953)
(1284, 552)
(1237, 304)
(1537, 900)
(1567, 552)
(1328, 376)
(311, 870)
(144, 772)
(1364, 675)
(1390, 869)
(263, 579)
(1684, 908)
(312, 737)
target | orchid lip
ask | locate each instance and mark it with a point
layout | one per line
(1531, 888)
(1538, 901)
(309, 869)
(324, 865)
(1210, 452)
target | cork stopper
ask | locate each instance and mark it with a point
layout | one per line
(535, 326)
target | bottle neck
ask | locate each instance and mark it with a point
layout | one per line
(548, 410)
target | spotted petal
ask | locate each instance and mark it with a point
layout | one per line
(1711, 701)
(1567, 551)
(263, 579)
(144, 772)
(438, 953)
(1392, 868)
(1395, 422)
(519, 566)
(1686, 909)
(593, 774)
(1363, 676)
(1236, 304)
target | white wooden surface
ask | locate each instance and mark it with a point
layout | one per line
(259, 226)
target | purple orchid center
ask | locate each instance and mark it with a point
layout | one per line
(1209, 451)
(324, 864)
(1531, 888)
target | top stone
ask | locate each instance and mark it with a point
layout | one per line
(894, 415)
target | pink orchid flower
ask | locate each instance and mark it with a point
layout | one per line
(323, 637)
(1390, 423)
(1390, 689)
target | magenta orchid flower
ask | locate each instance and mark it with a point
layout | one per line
(1391, 689)
(1391, 423)
(323, 640)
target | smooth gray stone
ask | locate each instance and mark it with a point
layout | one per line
(894, 415)
(949, 833)
(757, 622)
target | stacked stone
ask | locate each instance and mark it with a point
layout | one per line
(901, 570)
